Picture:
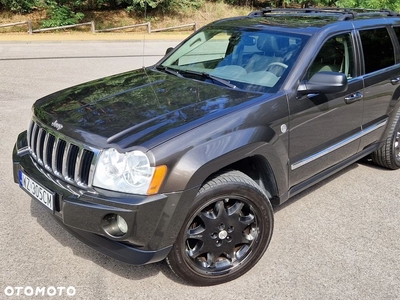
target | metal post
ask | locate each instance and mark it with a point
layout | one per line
(29, 22)
(93, 28)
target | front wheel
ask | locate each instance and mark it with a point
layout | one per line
(225, 233)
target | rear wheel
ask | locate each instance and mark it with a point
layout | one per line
(388, 155)
(225, 233)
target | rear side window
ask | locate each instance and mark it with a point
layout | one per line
(378, 49)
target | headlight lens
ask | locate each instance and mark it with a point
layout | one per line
(123, 172)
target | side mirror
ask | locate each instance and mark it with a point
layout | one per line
(324, 82)
(169, 50)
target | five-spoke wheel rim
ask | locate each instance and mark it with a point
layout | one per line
(222, 235)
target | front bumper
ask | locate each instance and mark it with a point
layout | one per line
(120, 251)
(153, 221)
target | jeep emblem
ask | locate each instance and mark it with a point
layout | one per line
(57, 125)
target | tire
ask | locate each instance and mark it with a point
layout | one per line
(388, 155)
(226, 232)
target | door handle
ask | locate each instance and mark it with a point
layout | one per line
(395, 80)
(353, 97)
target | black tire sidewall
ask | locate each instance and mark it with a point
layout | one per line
(262, 208)
(396, 160)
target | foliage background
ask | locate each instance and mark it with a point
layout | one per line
(67, 12)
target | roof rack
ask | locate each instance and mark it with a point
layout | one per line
(342, 14)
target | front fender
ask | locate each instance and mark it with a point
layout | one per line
(200, 161)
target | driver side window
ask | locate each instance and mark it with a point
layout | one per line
(336, 55)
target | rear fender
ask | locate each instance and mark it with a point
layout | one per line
(392, 110)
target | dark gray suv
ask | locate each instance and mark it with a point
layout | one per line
(183, 160)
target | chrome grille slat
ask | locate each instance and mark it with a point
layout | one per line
(39, 145)
(87, 167)
(45, 145)
(78, 166)
(54, 157)
(34, 135)
(60, 156)
(73, 158)
(65, 162)
(49, 152)
(30, 130)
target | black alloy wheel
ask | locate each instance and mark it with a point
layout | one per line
(226, 232)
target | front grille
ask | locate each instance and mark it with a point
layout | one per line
(59, 156)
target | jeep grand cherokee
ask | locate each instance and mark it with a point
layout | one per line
(184, 159)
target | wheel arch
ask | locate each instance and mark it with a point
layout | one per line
(394, 103)
(259, 170)
(263, 162)
(393, 108)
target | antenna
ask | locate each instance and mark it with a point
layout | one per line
(147, 75)
(144, 49)
(144, 34)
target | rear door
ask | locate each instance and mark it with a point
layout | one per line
(381, 78)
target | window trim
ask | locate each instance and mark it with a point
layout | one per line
(395, 41)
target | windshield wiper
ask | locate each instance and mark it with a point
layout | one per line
(212, 77)
(169, 71)
(219, 80)
(201, 74)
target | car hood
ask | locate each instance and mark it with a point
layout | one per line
(141, 107)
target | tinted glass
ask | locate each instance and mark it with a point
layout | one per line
(378, 49)
(336, 55)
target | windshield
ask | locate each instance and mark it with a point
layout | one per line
(246, 59)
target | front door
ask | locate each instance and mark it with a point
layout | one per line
(325, 128)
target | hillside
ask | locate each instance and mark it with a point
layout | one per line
(116, 18)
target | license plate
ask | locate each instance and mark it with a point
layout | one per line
(36, 190)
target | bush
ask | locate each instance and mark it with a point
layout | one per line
(61, 15)
(181, 5)
(18, 6)
(166, 6)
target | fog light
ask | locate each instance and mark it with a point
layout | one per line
(114, 225)
(121, 223)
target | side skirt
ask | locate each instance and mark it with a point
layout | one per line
(328, 172)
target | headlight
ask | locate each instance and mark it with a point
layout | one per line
(126, 172)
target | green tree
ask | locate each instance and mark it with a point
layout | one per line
(370, 4)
